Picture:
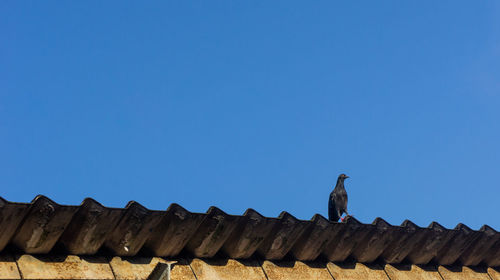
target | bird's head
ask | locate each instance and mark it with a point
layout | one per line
(342, 177)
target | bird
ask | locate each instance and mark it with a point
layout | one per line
(337, 203)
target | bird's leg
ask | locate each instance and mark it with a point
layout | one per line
(339, 213)
(347, 215)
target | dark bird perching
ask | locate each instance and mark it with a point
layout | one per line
(337, 203)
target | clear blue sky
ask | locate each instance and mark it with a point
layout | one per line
(255, 105)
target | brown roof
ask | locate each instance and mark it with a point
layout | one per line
(37, 227)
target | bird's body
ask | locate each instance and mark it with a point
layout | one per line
(337, 203)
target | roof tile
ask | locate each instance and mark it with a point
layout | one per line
(36, 228)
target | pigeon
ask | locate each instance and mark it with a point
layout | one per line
(337, 203)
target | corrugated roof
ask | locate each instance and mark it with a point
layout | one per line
(36, 228)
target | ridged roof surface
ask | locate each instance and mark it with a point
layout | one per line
(36, 228)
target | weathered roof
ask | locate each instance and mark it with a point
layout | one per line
(37, 227)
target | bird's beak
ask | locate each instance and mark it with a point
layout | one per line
(346, 176)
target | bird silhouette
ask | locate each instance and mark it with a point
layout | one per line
(337, 203)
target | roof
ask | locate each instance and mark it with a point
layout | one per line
(42, 225)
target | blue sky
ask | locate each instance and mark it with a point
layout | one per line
(255, 104)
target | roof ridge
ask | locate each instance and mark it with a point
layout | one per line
(84, 229)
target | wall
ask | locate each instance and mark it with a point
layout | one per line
(94, 267)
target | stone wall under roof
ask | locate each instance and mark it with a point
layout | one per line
(25, 266)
